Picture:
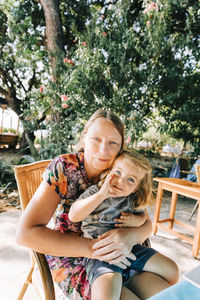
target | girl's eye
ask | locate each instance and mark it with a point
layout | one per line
(131, 180)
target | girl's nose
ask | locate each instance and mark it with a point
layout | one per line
(121, 179)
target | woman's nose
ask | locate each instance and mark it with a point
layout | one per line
(103, 148)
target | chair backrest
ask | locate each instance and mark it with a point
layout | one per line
(28, 179)
(197, 167)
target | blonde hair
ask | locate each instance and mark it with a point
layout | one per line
(144, 193)
(107, 115)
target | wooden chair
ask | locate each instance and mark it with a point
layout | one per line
(28, 178)
(197, 167)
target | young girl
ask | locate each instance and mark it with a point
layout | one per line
(119, 201)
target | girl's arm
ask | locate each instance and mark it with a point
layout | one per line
(81, 208)
(131, 220)
(33, 233)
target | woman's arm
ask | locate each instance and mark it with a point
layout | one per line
(33, 233)
(114, 245)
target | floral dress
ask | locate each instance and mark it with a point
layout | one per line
(66, 174)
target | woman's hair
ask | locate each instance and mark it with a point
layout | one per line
(144, 194)
(107, 115)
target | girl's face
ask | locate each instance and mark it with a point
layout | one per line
(102, 143)
(127, 177)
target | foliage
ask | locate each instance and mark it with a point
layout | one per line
(129, 56)
(7, 178)
(175, 34)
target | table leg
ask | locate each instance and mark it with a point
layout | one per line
(157, 207)
(172, 209)
(196, 242)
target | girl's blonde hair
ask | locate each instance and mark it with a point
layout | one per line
(144, 193)
(107, 115)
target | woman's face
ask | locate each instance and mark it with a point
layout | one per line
(102, 143)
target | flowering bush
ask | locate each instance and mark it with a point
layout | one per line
(68, 61)
(152, 6)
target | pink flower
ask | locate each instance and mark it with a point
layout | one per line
(105, 33)
(150, 7)
(64, 105)
(84, 43)
(148, 23)
(128, 140)
(128, 119)
(102, 17)
(68, 61)
(64, 98)
(41, 89)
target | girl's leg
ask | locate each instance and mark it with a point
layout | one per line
(164, 267)
(107, 287)
(146, 284)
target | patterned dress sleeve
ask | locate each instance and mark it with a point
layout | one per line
(55, 176)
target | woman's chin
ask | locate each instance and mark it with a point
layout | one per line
(101, 165)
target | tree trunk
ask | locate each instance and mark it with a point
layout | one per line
(55, 44)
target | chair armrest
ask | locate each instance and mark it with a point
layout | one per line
(45, 272)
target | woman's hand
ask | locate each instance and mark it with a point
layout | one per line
(115, 247)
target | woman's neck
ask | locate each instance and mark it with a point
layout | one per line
(93, 175)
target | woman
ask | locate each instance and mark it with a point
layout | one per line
(64, 180)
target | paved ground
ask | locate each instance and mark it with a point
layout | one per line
(14, 260)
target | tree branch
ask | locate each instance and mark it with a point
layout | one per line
(3, 92)
(31, 81)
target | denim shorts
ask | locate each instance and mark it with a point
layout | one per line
(96, 268)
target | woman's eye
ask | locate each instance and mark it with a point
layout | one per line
(114, 143)
(131, 180)
(96, 139)
(117, 172)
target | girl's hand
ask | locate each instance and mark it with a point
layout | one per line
(130, 220)
(114, 247)
(106, 190)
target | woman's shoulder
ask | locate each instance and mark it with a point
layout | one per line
(71, 158)
(67, 160)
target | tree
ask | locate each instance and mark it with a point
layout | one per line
(130, 56)
(174, 32)
(26, 51)
(20, 54)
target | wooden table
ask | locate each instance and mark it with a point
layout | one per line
(181, 187)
